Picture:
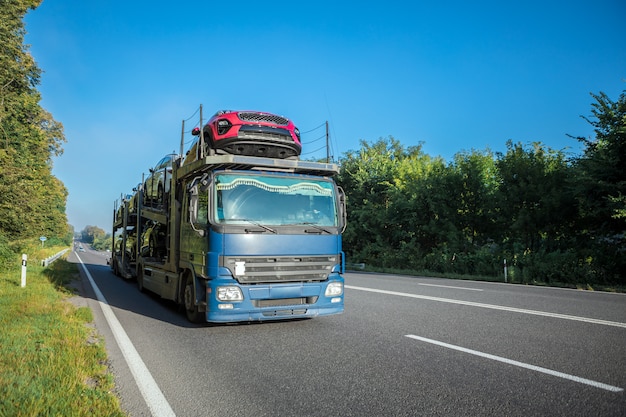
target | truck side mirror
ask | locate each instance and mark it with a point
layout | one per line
(343, 212)
(193, 209)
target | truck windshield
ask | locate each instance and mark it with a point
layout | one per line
(272, 200)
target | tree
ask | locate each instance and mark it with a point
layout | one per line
(32, 200)
(555, 218)
(397, 212)
(92, 233)
(535, 202)
(601, 188)
(369, 179)
(478, 179)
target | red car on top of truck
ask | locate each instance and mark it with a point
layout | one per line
(251, 133)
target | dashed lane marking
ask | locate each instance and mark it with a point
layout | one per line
(520, 364)
(492, 306)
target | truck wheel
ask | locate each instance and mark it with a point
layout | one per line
(189, 300)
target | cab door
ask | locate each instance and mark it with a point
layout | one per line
(194, 229)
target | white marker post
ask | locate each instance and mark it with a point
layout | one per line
(24, 258)
(505, 272)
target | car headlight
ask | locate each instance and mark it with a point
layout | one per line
(334, 289)
(229, 293)
(223, 126)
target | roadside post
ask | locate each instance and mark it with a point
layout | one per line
(505, 272)
(24, 258)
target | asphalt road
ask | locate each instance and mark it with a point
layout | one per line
(405, 346)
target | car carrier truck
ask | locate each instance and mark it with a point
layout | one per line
(237, 238)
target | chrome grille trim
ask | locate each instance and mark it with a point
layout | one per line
(282, 302)
(265, 269)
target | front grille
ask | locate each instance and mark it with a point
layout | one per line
(281, 302)
(260, 117)
(264, 269)
(271, 134)
(279, 313)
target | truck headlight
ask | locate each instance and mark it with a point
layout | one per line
(334, 289)
(229, 293)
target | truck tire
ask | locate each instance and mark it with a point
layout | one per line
(189, 301)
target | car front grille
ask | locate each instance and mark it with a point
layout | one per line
(261, 117)
(272, 134)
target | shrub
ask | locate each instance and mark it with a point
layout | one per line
(7, 255)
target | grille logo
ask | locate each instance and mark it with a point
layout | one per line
(240, 268)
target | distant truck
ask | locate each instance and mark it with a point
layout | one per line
(235, 237)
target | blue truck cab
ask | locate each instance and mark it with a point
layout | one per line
(243, 238)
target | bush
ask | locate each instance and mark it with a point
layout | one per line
(559, 267)
(7, 255)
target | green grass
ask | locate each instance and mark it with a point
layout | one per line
(52, 363)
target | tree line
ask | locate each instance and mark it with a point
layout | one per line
(96, 237)
(554, 217)
(32, 200)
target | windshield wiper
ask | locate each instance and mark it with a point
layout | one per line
(315, 227)
(269, 229)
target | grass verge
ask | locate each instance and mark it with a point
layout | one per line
(51, 362)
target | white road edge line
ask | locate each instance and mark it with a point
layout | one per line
(493, 307)
(158, 405)
(520, 364)
(450, 286)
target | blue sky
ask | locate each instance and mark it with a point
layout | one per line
(455, 75)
